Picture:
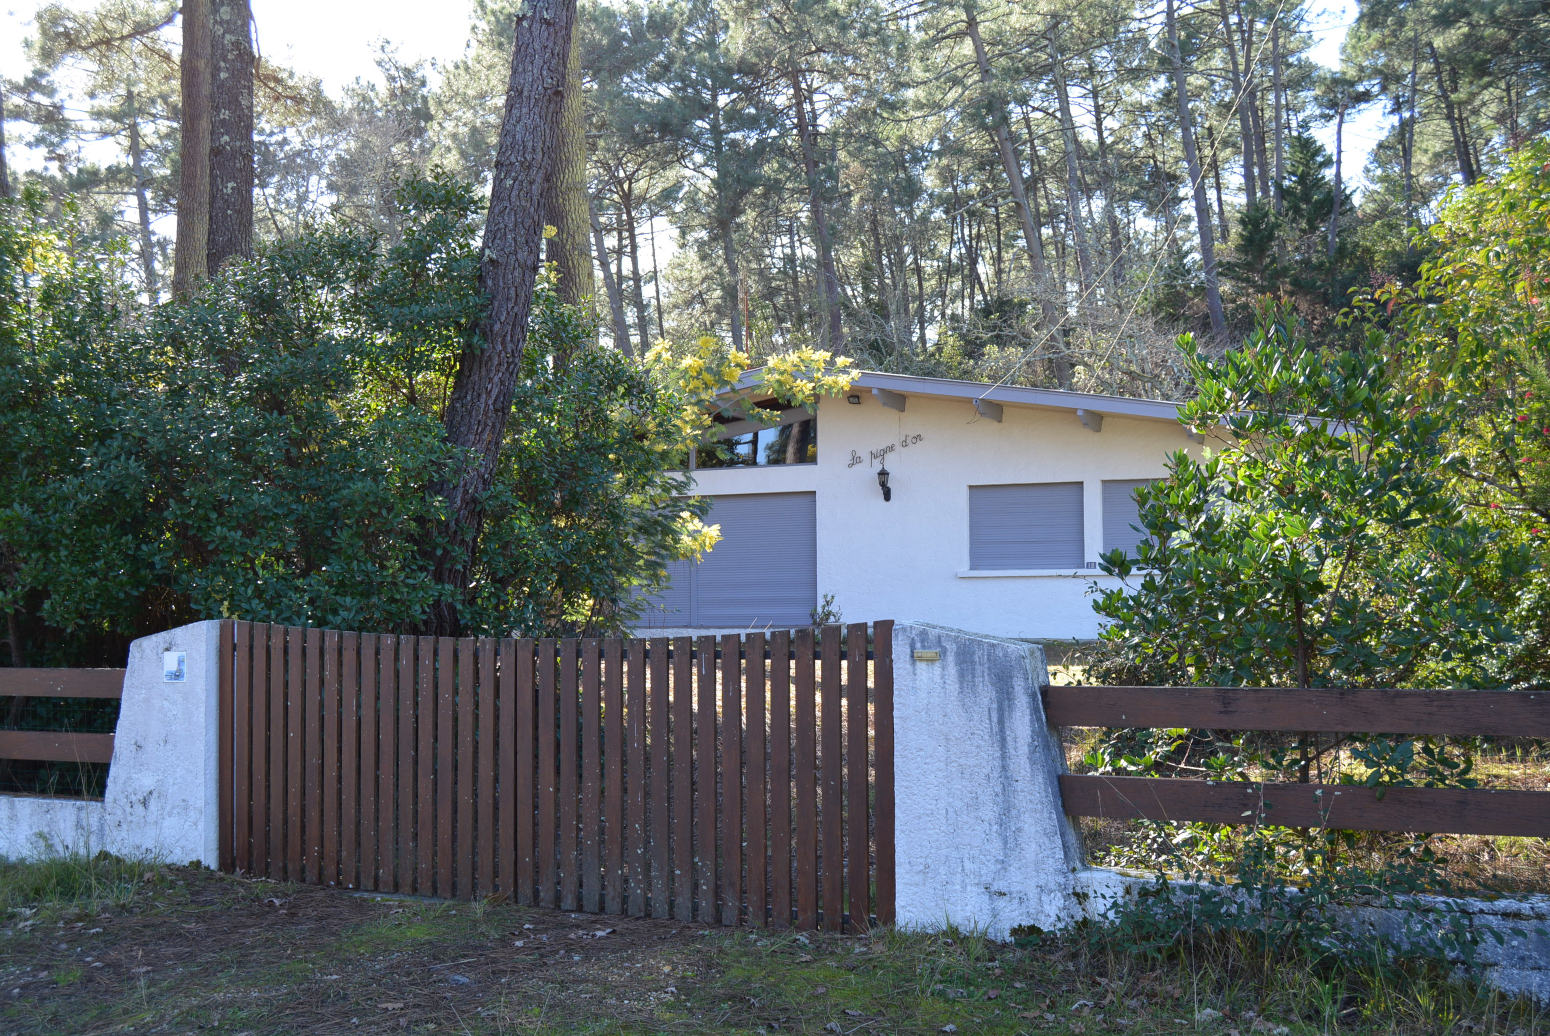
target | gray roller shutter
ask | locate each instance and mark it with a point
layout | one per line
(1026, 526)
(763, 572)
(1120, 512)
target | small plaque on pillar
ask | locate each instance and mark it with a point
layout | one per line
(174, 668)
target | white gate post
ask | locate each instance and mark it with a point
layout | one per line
(982, 840)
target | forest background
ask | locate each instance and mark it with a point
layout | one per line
(1032, 193)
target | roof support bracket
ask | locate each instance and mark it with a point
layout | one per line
(1092, 421)
(985, 408)
(891, 400)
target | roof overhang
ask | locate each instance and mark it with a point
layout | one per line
(989, 400)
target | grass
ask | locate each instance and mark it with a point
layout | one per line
(106, 945)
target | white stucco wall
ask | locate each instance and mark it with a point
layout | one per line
(908, 559)
(162, 793)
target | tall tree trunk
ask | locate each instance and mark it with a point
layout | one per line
(656, 275)
(189, 253)
(1051, 309)
(1245, 123)
(610, 286)
(1339, 189)
(1216, 184)
(1106, 182)
(1196, 178)
(1279, 106)
(142, 203)
(568, 203)
(231, 133)
(834, 330)
(642, 316)
(1246, 27)
(724, 208)
(1455, 120)
(1407, 135)
(487, 375)
(1084, 263)
(5, 174)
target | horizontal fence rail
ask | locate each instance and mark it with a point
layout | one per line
(1313, 710)
(57, 746)
(719, 779)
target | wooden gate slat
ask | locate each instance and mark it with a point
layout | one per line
(485, 781)
(731, 796)
(425, 765)
(349, 760)
(259, 750)
(659, 718)
(312, 760)
(446, 760)
(858, 855)
(780, 779)
(682, 765)
(883, 818)
(373, 760)
(805, 766)
(507, 730)
(236, 732)
(407, 780)
(279, 745)
(705, 782)
(228, 726)
(295, 749)
(591, 777)
(569, 732)
(831, 850)
(754, 685)
(463, 845)
(613, 775)
(635, 842)
(328, 789)
(527, 785)
(548, 775)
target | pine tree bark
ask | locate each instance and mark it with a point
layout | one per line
(1455, 119)
(190, 249)
(642, 314)
(142, 202)
(1278, 90)
(487, 374)
(5, 174)
(231, 133)
(568, 203)
(1196, 179)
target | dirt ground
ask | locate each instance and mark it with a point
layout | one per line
(194, 952)
(113, 946)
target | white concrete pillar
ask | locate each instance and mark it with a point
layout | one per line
(163, 784)
(982, 840)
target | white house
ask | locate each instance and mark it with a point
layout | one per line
(999, 500)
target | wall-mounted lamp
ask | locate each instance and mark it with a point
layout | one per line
(882, 481)
(853, 399)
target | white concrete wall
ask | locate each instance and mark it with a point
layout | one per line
(161, 798)
(908, 559)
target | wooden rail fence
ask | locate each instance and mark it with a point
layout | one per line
(58, 746)
(719, 779)
(1315, 710)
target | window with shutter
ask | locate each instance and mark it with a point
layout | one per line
(1026, 526)
(1121, 515)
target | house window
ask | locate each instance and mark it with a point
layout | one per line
(1026, 526)
(1122, 515)
(793, 439)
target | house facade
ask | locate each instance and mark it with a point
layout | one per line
(999, 500)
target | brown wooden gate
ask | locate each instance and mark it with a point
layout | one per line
(731, 780)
